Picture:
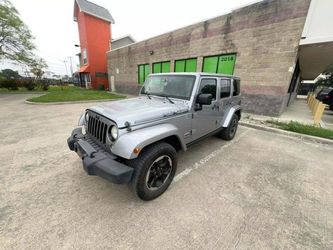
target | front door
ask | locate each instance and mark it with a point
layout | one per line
(205, 120)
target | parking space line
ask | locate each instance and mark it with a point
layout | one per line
(201, 162)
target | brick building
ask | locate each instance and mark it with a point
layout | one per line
(94, 25)
(258, 42)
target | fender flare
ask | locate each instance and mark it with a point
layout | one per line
(141, 138)
(229, 115)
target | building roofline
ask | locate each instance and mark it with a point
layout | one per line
(77, 3)
(192, 24)
(99, 17)
(122, 37)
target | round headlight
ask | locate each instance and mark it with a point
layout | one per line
(86, 117)
(114, 132)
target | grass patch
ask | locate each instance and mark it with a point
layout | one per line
(71, 93)
(303, 129)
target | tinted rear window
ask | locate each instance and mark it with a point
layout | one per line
(236, 85)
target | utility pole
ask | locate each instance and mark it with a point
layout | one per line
(70, 61)
(66, 67)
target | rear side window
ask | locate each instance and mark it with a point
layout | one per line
(225, 87)
(208, 86)
(236, 87)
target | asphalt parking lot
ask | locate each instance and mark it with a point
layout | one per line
(262, 190)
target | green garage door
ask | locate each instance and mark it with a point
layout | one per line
(143, 72)
(161, 67)
(223, 64)
(186, 65)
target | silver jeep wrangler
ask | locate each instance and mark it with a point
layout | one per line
(135, 140)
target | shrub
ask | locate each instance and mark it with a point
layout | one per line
(44, 86)
(9, 84)
(29, 85)
(101, 87)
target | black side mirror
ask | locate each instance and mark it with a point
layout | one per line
(204, 99)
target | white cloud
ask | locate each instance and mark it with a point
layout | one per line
(51, 22)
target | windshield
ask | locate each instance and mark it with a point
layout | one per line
(169, 86)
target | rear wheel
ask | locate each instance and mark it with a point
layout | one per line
(230, 132)
(154, 170)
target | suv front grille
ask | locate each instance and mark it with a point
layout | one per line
(98, 127)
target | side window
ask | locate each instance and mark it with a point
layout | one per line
(208, 86)
(236, 87)
(225, 88)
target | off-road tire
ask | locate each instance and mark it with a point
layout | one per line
(229, 133)
(143, 163)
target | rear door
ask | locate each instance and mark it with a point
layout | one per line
(224, 98)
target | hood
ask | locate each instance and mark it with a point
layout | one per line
(140, 110)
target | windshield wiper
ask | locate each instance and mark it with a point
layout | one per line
(166, 97)
(148, 95)
(169, 99)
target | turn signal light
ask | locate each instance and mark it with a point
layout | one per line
(136, 151)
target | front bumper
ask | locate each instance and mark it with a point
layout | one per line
(98, 162)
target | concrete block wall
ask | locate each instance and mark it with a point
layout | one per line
(265, 36)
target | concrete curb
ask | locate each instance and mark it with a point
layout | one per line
(73, 102)
(287, 133)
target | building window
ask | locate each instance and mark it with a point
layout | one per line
(186, 65)
(143, 72)
(225, 88)
(161, 67)
(222, 64)
(208, 86)
(84, 56)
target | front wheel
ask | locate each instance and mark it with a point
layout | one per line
(230, 132)
(154, 170)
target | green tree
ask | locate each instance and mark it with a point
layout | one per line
(16, 40)
(37, 67)
(10, 74)
(327, 80)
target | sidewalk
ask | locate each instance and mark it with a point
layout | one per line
(297, 111)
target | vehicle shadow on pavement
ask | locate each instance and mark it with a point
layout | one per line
(122, 194)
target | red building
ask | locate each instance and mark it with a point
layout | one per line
(94, 24)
